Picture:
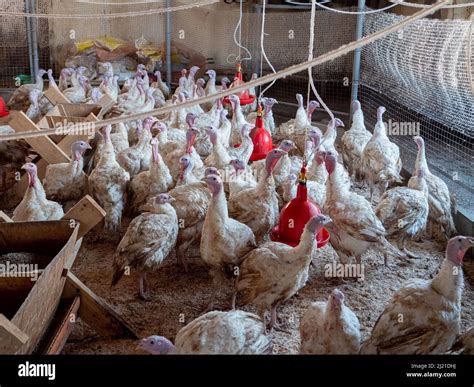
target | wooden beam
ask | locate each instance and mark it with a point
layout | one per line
(44, 146)
(4, 218)
(65, 327)
(95, 312)
(106, 103)
(11, 338)
(54, 95)
(87, 212)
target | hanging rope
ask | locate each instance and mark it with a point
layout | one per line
(238, 58)
(331, 55)
(263, 53)
(110, 15)
(310, 57)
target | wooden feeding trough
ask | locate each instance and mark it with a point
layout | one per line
(28, 306)
(54, 149)
(38, 316)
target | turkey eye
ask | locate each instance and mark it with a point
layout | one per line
(152, 342)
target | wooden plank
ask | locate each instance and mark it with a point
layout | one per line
(95, 312)
(11, 338)
(79, 109)
(106, 103)
(87, 212)
(64, 329)
(44, 146)
(4, 218)
(54, 95)
(37, 311)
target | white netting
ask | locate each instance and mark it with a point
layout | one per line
(425, 67)
(423, 76)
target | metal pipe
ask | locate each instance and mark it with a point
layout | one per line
(168, 45)
(34, 39)
(29, 38)
(357, 52)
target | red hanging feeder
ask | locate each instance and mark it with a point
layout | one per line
(261, 138)
(3, 108)
(244, 96)
(295, 215)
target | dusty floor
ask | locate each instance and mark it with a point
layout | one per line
(178, 298)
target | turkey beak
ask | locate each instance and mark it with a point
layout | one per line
(171, 199)
(88, 146)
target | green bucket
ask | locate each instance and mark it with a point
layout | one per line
(21, 79)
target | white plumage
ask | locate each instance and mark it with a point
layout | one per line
(424, 316)
(149, 240)
(235, 332)
(34, 205)
(330, 328)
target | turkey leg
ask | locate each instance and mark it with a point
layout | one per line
(143, 287)
(273, 322)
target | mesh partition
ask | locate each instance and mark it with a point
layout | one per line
(422, 76)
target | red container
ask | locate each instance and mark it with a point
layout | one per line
(295, 215)
(3, 108)
(244, 96)
(261, 138)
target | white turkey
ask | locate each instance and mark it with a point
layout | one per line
(238, 120)
(21, 95)
(215, 333)
(224, 241)
(152, 182)
(355, 228)
(137, 158)
(328, 140)
(439, 199)
(354, 141)
(404, 211)
(381, 161)
(34, 206)
(330, 328)
(245, 149)
(67, 181)
(108, 184)
(424, 315)
(149, 240)
(274, 272)
(219, 156)
(258, 207)
(242, 178)
(191, 204)
(186, 176)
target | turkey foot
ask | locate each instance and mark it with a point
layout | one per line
(410, 254)
(210, 303)
(182, 262)
(273, 323)
(144, 293)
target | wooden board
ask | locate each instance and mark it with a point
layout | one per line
(106, 103)
(95, 312)
(44, 146)
(11, 338)
(4, 217)
(54, 95)
(78, 109)
(37, 311)
(87, 212)
(64, 329)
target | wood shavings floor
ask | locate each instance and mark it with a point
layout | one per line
(177, 298)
